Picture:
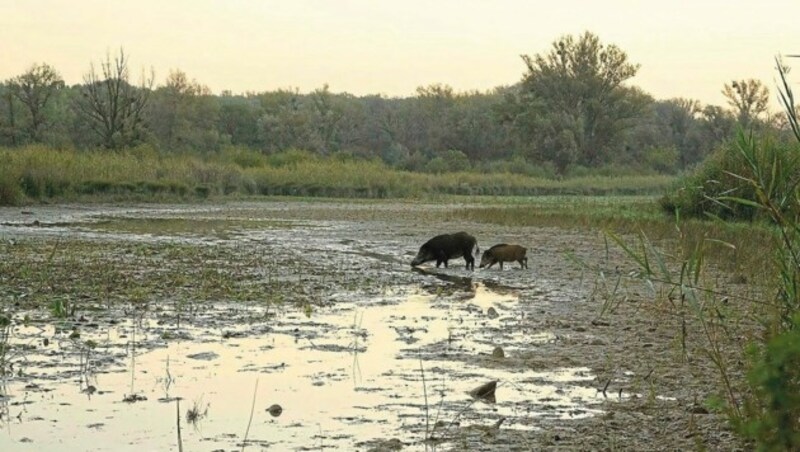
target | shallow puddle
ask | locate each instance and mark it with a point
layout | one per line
(391, 367)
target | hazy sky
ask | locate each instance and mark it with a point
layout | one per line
(686, 48)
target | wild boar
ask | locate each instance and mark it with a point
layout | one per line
(504, 253)
(448, 246)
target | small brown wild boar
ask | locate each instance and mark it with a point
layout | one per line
(504, 253)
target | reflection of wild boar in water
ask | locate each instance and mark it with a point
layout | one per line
(504, 253)
(447, 246)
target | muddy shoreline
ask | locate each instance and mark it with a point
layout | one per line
(313, 306)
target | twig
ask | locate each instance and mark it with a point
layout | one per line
(178, 412)
(425, 393)
(606, 387)
(250, 421)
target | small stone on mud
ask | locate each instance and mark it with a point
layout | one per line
(275, 410)
(698, 409)
(232, 334)
(204, 356)
(498, 353)
(485, 392)
(492, 313)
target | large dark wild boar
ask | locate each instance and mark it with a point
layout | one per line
(504, 253)
(448, 246)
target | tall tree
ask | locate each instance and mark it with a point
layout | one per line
(574, 100)
(286, 121)
(8, 122)
(111, 105)
(183, 114)
(238, 120)
(748, 99)
(718, 123)
(34, 88)
(325, 118)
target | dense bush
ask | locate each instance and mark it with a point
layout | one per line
(774, 422)
(735, 172)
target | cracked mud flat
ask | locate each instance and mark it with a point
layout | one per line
(359, 351)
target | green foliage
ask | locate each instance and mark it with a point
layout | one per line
(571, 109)
(573, 105)
(663, 160)
(34, 89)
(748, 99)
(10, 193)
(774, 420)
(291, 158)
(749, 178)
(759, 171)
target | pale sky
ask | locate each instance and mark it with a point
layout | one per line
(686, 48)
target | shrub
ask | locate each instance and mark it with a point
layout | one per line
(774, 423)
(735, 171)
(10, 194)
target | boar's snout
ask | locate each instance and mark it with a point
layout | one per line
(422, 257)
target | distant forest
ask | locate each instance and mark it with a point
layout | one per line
(571, 113)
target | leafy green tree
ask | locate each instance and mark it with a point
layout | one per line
(184, 115)
(748, 99)
(456, 160)
(718, 123)
(238, 120)
(327, 114)
(573, 102)
(9, 132)
(433, 110)
(286, 121)
(674, 125)
(475, 128)
(113, 107)
(34, 88)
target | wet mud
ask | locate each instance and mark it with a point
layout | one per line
(338, 342)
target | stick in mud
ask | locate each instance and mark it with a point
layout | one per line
(425, 393)
(178, 417)
(605, 388)
(250, 421)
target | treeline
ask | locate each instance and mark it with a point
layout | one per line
(571, 113)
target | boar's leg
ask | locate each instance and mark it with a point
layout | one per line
(441, 258)
(470, 261)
